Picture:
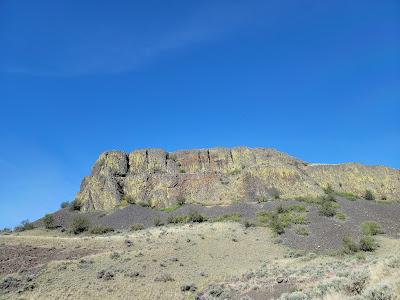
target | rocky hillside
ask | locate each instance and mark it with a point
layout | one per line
(156, 178)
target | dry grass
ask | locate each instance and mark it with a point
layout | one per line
(201, 254)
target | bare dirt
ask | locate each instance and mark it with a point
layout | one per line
(25, 258)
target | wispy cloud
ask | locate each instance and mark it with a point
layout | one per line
(101, 50)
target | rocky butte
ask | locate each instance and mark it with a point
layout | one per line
(220, 176)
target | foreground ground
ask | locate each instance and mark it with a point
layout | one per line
(221, 260)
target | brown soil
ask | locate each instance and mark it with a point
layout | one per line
(24, 258)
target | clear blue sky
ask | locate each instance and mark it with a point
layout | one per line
(317, 79)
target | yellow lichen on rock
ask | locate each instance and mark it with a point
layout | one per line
(215, 176)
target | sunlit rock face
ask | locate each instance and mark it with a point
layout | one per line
(220, 176)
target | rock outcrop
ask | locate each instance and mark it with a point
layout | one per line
(220, 176)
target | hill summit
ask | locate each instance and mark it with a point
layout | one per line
(220, 176)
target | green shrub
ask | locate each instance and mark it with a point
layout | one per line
(6, 230)
(276, 224)
(157, 221)
(290, 218)
(25, 225)
(327, 209)
(368, 195)
(144, 204)
(177, 219)
(302, 230)
(76, 205)
(263, 217)
(234, 171)
(136, 227)
(101, 230)
(127, 199)
(309, 199)
(196, 217)
(357, 282)
(248, 224)
(79, 224)
(180, 200)
(297, 208)
(328, 189)
(281, 209)
(329, 197)
(233, 217)
(368, 243)
(261, 199)
(65, 204)
(349, 246)
(370, 228)
(379, 291)
(347, 195)
(48, 221)
(341, 216)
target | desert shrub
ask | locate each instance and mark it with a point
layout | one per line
(144, 204)
(327, 209)
(248, 224)
(302, 230)
(5, 230)
(368, 243)
(65, 204)
(273, 193)
(349, 246)
(127, 199)
(298, 295)
(76, 205)
(309, 199)
(293, 218)
(164, 278)
(393, 262)
(328, 190)
(48, 221)
(341, 216)
(276, 224)
(196, 217)
(261, 199)
(136, 227)
(297, 208)
(347, 195)
(157, 221)
(177, 219)
(281, 209)
(357, 282)
(25, 225)
(379, 291)
(180, 200)
(279, 221)
(233, 217)
(115, 255)
(101, 230)
(234, 171)
(368, 195)
(263, 217)
(79, 224)
(329, 197)
(370, 228)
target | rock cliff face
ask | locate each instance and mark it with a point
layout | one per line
(220, 176)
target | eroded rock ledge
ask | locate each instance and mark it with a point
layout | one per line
(220, 176)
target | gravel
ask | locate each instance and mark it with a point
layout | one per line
(326, 233)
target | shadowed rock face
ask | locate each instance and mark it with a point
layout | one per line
(222, 176)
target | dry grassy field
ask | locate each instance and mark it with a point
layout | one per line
(220, 260)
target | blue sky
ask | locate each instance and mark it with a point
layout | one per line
(317, 79)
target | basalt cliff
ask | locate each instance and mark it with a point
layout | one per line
(219, 176)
